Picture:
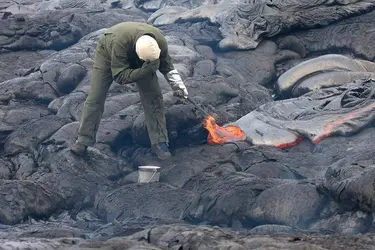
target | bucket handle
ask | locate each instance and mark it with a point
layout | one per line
(155, 171)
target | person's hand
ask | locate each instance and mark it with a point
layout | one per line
(151, 66)
(146, 70)
(181, 91)
(177, 85)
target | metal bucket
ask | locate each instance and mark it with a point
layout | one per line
(147, 174)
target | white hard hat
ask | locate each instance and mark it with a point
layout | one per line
(147, 48)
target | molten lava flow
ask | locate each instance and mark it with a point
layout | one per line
(290, 144)
(330, 127)
(221, 135)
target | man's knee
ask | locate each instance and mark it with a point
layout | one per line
(93, 102)
(152, 101)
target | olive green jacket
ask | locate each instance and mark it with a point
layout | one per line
(123, 56)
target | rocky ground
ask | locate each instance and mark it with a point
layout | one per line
(250, 62)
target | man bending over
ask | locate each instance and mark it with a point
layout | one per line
(131, 52)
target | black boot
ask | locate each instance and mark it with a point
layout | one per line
(78, 148)
(161, 150)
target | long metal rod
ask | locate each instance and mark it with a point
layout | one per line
(198, 107)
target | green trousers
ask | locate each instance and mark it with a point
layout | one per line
(101, 79)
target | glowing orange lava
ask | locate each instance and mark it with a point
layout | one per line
(330, 127)
(290, 144)
(222, 135)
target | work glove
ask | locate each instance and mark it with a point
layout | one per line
(176, 83)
